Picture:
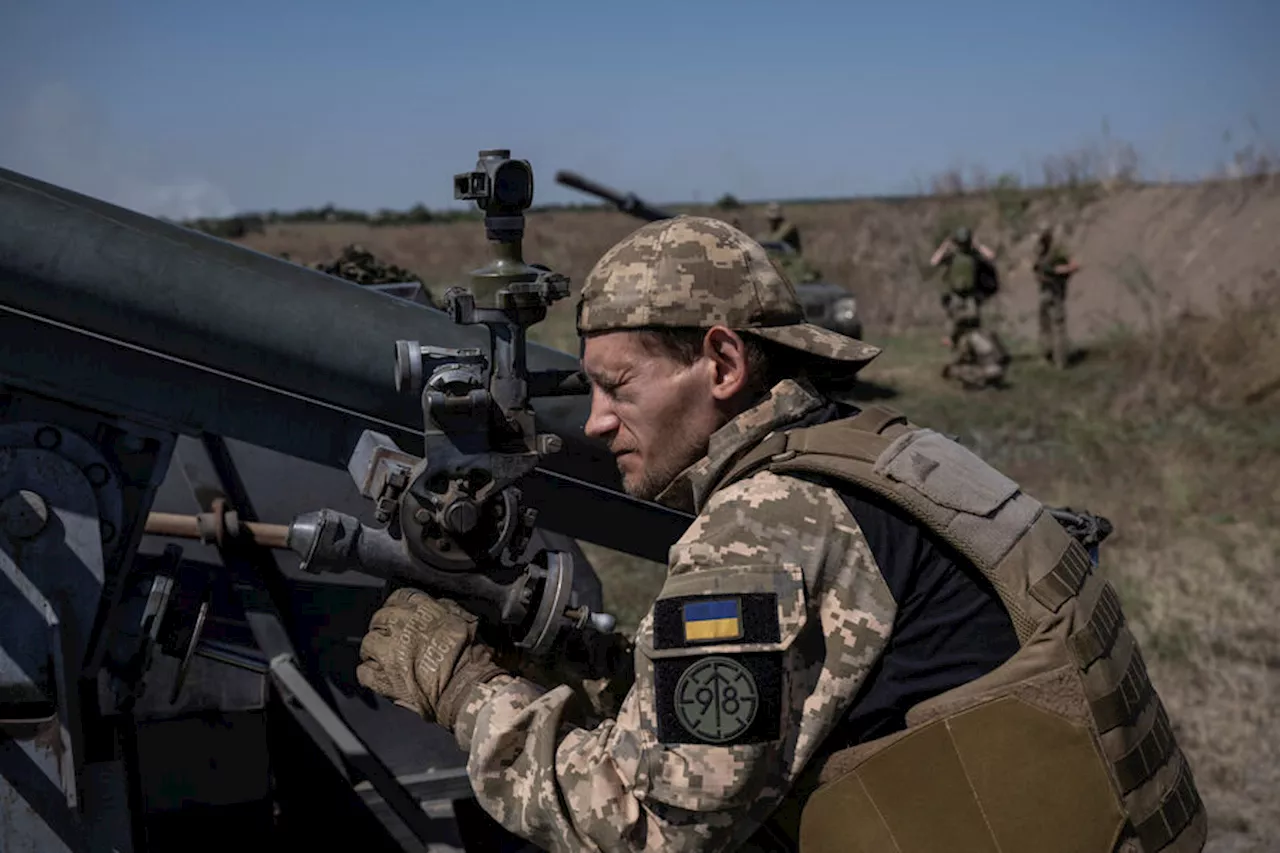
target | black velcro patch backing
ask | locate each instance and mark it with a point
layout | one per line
(759, 614)
(719, 700)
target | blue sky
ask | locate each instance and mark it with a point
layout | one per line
(184, 108)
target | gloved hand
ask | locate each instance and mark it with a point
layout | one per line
(422, 654)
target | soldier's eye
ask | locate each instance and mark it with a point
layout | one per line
(608, 384)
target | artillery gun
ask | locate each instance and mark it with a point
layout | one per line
(173, 668)
(825, 304)
(453, 520)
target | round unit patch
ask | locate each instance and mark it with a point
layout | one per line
(716, 699)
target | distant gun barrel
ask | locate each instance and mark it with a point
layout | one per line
(628, 203)
(141, 317)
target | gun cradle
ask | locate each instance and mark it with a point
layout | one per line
(455, 521)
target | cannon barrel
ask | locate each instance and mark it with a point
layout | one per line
(628, 203)
(140, 317)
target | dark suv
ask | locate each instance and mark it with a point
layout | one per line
(825, 304)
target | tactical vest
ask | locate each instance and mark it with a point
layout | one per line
(971, 276)
(1064, 748)
(961, 274)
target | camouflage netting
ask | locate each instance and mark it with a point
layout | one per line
(356, 263)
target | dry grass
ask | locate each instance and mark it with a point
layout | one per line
(1175, 437)
(1193, 242)
(1171, 426)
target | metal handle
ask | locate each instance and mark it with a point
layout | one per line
(204, 527)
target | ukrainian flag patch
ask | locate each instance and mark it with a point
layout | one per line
(717, 619)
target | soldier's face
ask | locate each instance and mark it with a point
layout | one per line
(655, 413)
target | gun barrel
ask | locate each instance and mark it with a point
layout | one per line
(628, 203)
(147, 319)
(575, 181)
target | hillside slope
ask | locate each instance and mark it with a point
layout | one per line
(1146, 251)
(1170, 430)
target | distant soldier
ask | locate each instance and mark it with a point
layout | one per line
(979, 359)
(969, 267)
(783, 232)
(781, 229)
(1052, 268)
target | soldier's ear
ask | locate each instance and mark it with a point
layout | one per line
(726, 353)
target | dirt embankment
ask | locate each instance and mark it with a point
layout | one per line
(1171, 433)
(1145, 251)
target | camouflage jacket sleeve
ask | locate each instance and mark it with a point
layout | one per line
(772, 614)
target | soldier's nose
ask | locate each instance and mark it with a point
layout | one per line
(600, 422)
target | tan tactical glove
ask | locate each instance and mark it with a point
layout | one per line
(422, 654)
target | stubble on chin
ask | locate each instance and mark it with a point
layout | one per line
(650, 481)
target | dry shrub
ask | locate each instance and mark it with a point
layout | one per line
(1189, 470)
(1227, 361)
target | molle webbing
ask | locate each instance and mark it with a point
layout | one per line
(1134, 729)
(1120, 703)
(1063, 580)
(1043, 576)
(1181, 817)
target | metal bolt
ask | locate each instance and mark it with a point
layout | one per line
(461, 517)
(549, 444)
(23, 514)
(421, 516)
(47, 438)
(97, 474)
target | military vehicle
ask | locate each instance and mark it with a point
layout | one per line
(825, 304)
(187, 429)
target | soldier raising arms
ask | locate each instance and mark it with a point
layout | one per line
(868, 639)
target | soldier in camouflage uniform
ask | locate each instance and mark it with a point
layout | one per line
(860, 610)
(978, 357)
(781, 229)
(793, 262)
(1053, 267)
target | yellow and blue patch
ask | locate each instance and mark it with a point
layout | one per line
(686, 621)
(717, 619)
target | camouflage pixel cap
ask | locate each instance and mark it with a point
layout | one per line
(697, 272)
